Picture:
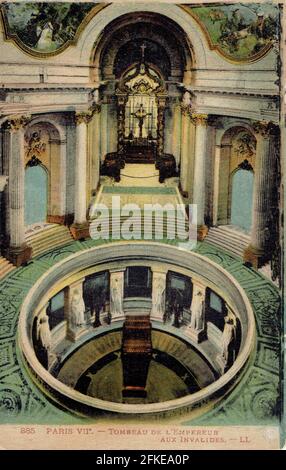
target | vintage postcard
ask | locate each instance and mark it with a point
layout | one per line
(142, 147)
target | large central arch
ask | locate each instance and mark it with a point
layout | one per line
(152, 28)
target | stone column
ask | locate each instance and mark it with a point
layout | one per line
(58, 184)
(197, 327)
(18, 252)
(75, 310)
(158, 294)
(185, 151)
(96, 150)
(80, 227)
(176, 131)
(116, 294)
(200, 121)
(256, 252)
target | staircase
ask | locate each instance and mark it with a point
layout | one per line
(229, 239)
(5, 267)
(52, 236)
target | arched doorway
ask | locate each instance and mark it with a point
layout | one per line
(36, 195)
(241, 199)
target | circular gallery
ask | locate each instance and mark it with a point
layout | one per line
(136, 328)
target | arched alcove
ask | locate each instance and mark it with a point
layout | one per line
(237, 160)
(122, 35)
(241, 199)
(44, 181)
(163, 47)
(36, 194)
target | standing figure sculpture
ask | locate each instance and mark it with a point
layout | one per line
(197, 312)
(44, 340)
(158, 301)
(116, 298)
(228, 341)
(77, 310)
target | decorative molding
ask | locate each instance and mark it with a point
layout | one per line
(245, 165)
(15, 123)
(244, 145)
(264, 128)
(34, 161)
(35, 147)
(83, 117)
(95, 108)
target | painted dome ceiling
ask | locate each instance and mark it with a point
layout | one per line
(240, 32)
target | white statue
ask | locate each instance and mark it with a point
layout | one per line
(44, 332)
(96, 96)
(116, 297)
(77, 310)
(158, 301)
(228, 337)
(197, 311)
(186, 100)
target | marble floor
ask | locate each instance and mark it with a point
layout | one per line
(255, 400)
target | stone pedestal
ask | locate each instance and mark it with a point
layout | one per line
(80, 231)
(256, 253)
(200, 121)
(158, 295)
(19, 255)
(116, 294)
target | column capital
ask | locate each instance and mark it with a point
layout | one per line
(15, 123)
(95, 108)
(200, 119)
(83, 117)
(264, 128)
(186, 110)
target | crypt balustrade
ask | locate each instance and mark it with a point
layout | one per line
(91, 294)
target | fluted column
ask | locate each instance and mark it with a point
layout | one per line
(216, 183)
(257, 250)
(18, 252)
(196, 329)
(96, 150)
(200, 121)
(80, 227)
(185, 151)
(158, 294)
(176, 132)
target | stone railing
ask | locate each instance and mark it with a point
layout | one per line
(160, 258)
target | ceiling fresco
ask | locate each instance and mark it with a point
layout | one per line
(240, 32)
